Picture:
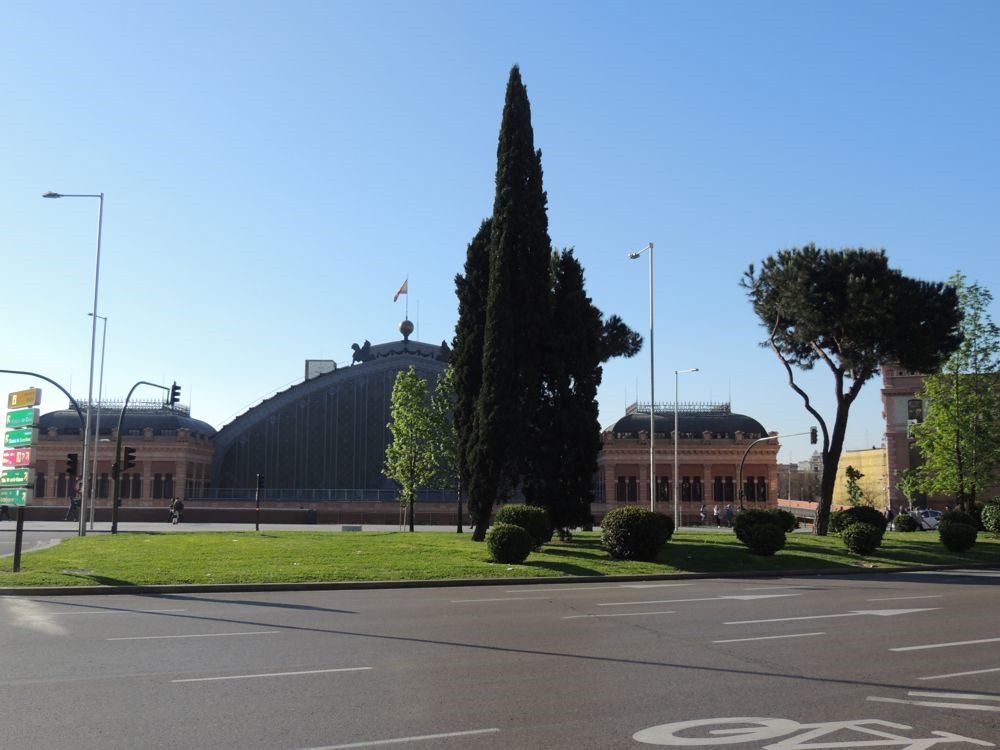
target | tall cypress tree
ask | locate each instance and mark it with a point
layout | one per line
(466, 358)
(516, 313)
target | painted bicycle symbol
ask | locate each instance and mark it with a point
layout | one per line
(842, 735)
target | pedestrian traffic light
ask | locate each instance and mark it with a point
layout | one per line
(71, 464)
(813, 437)
(128, 460)
(175, 394)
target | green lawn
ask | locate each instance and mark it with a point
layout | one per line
(292, 556)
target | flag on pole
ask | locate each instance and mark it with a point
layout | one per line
(402, 290)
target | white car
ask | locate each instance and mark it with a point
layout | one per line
(927, 519)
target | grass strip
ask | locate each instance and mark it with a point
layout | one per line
(296, 556)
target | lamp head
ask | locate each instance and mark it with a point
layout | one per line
(633, 256)
(50, 194)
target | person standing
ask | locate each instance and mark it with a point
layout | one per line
(703, 515)
(729, 515)
(717, 516)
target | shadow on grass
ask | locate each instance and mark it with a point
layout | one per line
(100, 580)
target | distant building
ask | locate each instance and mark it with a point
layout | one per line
(173, 453)
(712, 441)
(801, 480)
(328, 432)
(873, 483)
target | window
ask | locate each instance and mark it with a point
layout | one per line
(61, 486)
(125, 487)
(620, 490)
(915, 410)
(686, 489)
(157, 486)
(663, 489)
(168, 485)
(717, 495)
(102, 486)
(40, 485)
(761, 489)
(696, 489)
(136, 486)
(749, 489)
(730, 490)
(632, 495)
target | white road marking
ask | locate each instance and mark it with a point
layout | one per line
(400, 740)
(118, 612)
(770, 588)
(605, 587)
(740, 597)
(900, 598)
(968, 696)
(768, 637)
(501, 599)
(935, 704)
(619, 614)
(190, 635)
(959, 674)
(271, 674)
(856, 613)
(945, 645)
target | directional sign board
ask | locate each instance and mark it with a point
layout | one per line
(20, 438)
(18, 458)
(21, 399)
(15, 497)
(17, 478)
(22, 418)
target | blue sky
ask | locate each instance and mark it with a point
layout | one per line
(273, 171)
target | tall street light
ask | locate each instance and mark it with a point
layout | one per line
(85, 486)
(97, 427)
(652, 400)
(677, 374)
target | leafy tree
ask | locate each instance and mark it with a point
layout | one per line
(849, 311)
(445, 442)
(559, 472)
(410, 458)
(516, 325)
(854, 491)
(959, 439)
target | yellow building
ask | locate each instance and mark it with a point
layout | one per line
(873, 482)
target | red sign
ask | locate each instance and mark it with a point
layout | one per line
(17, 457)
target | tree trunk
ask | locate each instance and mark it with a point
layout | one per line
(831, 458)
(412, 498)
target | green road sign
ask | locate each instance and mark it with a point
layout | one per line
(20, 399)
(17, 478)
(20, 438)
(15, 497)
(22, 418)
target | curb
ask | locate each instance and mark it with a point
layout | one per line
(202, 588)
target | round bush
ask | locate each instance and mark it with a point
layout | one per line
(764, 539)
(532, 518)
(990, 517)
(960, 516)
(957, 537)
(905, 522)
(784, 519)
(748, 518)
(508, 543)
(862, 538)
(633, 533)
(858, 514)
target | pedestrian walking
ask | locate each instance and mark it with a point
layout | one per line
(717, 516)
(703, 515)
(729, 515)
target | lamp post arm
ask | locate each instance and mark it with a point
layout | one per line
(747, 452)
(116, 495)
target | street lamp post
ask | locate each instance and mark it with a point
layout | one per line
(85, 486)
(97, 427)
(652, 399)
(677, 374)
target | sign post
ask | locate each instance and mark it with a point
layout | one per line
(21, 435)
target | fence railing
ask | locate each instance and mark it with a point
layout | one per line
(317, 496)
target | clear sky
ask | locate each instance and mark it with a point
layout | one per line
(273, 171)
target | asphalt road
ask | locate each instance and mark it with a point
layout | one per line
(899, 660)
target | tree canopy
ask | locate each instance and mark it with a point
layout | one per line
(850, 311)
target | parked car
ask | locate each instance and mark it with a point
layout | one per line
(927, 519)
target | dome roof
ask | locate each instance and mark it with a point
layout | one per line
(720, 422)
(162, 421)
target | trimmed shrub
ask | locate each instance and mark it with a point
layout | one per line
(990, 517)
(905, 522)
(960, 516)
(858, 514)
(508, 543)
(956, 536)
(532, 518)
(764, 539)
(862, 538)
(633, 533)
(748, 518)
(784, 519)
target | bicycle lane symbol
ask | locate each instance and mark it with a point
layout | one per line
(840, 734)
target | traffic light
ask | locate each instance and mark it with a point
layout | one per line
(175, 394)
(813, 437)
(128, 460)
(71, 464)
(260, 481)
